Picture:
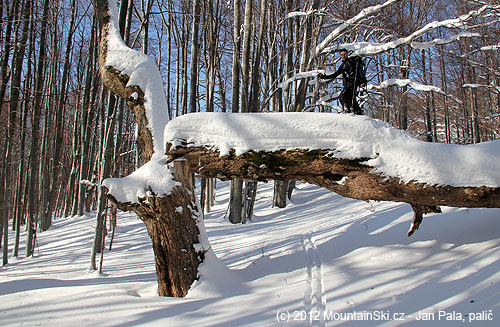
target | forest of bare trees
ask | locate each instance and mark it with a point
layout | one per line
(432, 65)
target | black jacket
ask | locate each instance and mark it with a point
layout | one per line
(348, 71)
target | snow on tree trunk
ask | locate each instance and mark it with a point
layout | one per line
(161, 194)
(172, 224)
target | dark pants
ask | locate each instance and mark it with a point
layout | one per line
(349, 101)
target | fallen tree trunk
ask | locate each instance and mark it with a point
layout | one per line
(348, 177)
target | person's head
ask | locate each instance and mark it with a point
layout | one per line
(343, 54)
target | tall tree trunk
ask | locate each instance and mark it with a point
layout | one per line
(105, 172)
(405, 71)
(245, 57)
(236, 58)
(35, 125)
(88, 110)
(22, 172)
(195, 53)
(4, 68)
(46, 150)
(8, 165)
(301, 95)
(236, 188)
(433, 101)
(428, 122)
(444, 86)
(245, 96)
(59, 123)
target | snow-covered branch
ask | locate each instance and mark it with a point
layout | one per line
(493, 47)
(354, 156)
(366, 48)
(416, 86)
(459, 22)
(365, 13)
(304, 14)
(433, 43)
(372, 48)
(298, 76)
(137, 72)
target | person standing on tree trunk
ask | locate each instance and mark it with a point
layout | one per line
(351, 70)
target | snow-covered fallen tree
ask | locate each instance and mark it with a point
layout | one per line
(354, 156)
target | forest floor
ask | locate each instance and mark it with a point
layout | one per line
(324, 260)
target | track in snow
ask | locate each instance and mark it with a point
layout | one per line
(314, 300)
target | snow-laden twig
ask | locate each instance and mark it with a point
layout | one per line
(459, 22)
(311, 73)
(369, 11)
(491, 47)
(494, 88)
(416, 86)
(302, 13)
(433, 43)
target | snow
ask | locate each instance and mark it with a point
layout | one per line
(372, 48)
(417, 86)
(308, 74)
(143, 72)
(433, 43)
(154, 176)
(322, 256)
(390, 151)
(491, 47)
(366, 48)
(336, 33)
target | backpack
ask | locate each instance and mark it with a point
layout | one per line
(360, 74)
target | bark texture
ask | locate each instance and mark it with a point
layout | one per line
(117, 82)
(172, 227)
(349, 178)
(171, 220)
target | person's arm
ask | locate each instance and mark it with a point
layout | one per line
(332, 76)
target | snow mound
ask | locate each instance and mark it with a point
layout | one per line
(390, 151)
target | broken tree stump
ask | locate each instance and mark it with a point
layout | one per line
(172, 224)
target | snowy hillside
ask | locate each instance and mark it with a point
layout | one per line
(322, 261)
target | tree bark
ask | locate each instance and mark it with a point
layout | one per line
(56, 165)
(172, 221)
(280, 191)
(347, 177)
(236, 188)
(173, 232)
(195, 50)
(35, 126)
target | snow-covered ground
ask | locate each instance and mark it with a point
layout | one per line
(322, 261)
